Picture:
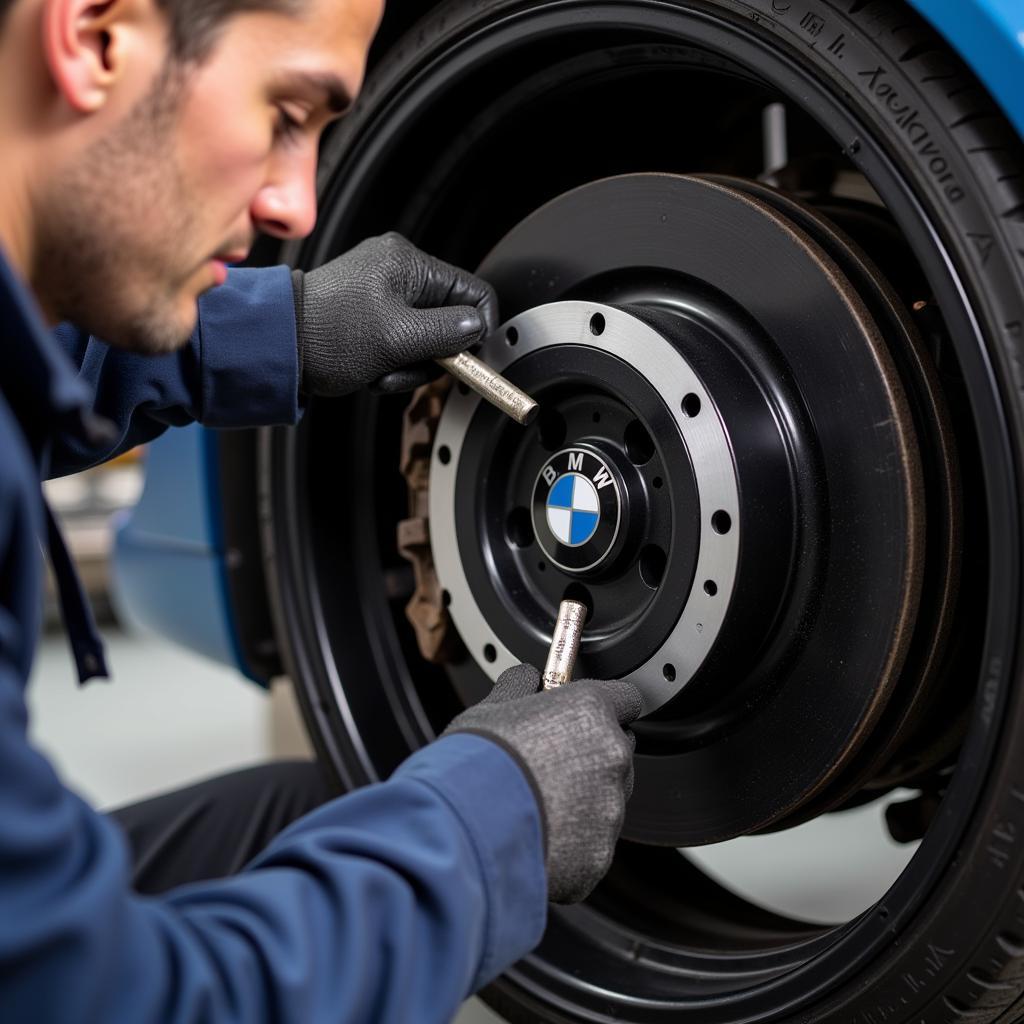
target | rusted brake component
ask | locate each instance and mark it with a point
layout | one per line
(436, 637)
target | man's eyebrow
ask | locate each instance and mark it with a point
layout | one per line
(339, 99)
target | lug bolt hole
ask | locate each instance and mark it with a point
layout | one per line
(721, 521)
(578, 592)
(596, 417)
(552, 429)
(710, 588)
(512, 336)
(691, 405)
(669, 672)
(444, 454)
(519, 528)
(639, 443)
(597, 324)
(657, 482)
(652, 565)
(541, 566)
(490, 654)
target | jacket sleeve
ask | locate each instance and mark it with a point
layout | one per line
(239, 369)
(391, 904)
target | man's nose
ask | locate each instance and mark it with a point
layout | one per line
(285, 206)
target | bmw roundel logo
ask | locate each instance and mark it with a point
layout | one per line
(574, 512)
(576, 509)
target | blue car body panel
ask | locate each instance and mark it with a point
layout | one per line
(170, 571)
(989, 36)
(170, 563)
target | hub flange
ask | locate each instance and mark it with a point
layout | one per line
(500, 604)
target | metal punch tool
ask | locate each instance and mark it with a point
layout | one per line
(565, 644)
(490, 384)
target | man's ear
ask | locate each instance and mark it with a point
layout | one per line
(89, 44)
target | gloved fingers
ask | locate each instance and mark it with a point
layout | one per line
(406, 379)
(515, 682)
(625, 698)
(425, 281)
(446, 330)
(469, 290)
(630, 773)
(577, 891)
(620, 762)
(447, 285)
(576, 883)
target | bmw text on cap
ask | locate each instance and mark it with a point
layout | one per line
(576, 509)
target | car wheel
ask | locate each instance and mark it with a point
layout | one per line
(762, 263)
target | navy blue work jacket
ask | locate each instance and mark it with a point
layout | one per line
(390, 904)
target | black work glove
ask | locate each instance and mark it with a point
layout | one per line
(379, 313)
(573, 747)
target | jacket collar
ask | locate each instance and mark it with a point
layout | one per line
(37, 378)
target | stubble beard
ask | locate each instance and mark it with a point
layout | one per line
(116, 232)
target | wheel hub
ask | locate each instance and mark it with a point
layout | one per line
(603, 405)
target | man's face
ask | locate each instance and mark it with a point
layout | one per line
(132, 233)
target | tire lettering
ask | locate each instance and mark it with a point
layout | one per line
(812, 24)
(935, 958)
(881, 1013)
(983, 243)
(1000, 849)
(990, 691)
(906, 118)
(916, 982)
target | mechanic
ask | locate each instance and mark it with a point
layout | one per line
(144, 144)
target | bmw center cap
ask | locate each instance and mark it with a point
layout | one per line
(576, 509)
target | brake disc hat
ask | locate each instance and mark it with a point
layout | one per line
(648, 352)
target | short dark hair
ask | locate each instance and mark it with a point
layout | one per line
(195, 24)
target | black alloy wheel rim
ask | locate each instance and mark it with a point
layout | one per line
(630, 950)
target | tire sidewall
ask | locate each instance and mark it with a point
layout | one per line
(963, 939)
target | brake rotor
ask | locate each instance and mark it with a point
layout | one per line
(726, 432)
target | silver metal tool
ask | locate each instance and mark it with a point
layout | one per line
(490, 384)
(565, 644)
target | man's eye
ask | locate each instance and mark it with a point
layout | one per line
(287, 126)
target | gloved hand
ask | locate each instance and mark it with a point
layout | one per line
(380, 312)
(572, 745)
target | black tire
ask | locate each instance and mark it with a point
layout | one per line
(947, 943)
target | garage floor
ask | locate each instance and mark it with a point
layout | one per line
(171, 717)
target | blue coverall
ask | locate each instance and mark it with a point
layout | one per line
(390, 904)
